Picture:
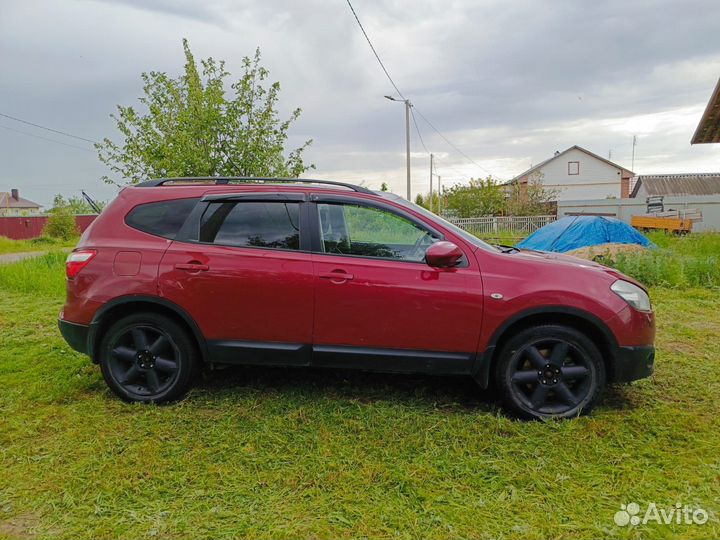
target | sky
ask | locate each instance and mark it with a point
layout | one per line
(507, 82)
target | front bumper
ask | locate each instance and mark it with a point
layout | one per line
(633, 363)
(75, 334)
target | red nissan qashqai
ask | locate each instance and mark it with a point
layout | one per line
(179, 273)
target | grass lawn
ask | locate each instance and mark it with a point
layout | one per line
(8, 245)
(268, 453)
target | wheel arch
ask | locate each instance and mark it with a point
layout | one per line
(579, 319)
(125, 305)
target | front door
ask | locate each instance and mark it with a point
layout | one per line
(378, 305)
(245, 281)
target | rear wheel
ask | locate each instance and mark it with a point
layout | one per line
(550, 371)
(148, 358)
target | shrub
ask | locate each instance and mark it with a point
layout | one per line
(61, 224)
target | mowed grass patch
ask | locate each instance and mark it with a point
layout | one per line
(270, 453)
(8, 245)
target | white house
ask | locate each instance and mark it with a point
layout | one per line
(578, 174)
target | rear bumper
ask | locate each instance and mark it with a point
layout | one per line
(75, 334)
(633, 363)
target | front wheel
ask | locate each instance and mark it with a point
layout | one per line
(147, 357)
(550, 371)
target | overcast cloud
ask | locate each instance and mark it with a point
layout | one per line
(508, 82)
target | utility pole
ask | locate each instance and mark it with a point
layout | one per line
(439, 212)
(407, 140)
(632, 167)
(430, 203)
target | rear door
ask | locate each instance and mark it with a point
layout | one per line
(241, 269)
(378, 305)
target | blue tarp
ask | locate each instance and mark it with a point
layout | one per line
(573, 232)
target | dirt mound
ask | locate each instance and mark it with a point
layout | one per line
(605, 251)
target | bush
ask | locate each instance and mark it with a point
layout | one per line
(61, 224)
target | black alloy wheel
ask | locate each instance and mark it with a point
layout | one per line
(550, 371)
(148, 358)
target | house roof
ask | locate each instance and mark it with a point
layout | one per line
(557, 156)
(7, 201)
(678, 184)
(708, 130)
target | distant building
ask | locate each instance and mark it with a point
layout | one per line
(578, 174)
(12, 204)
(708, 130)
(676, 185)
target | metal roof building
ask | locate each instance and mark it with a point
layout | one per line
(670, 185)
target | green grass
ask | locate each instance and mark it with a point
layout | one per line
(268, 453)
(43, 275)
(42, 243)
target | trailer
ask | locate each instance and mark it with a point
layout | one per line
(671, 220)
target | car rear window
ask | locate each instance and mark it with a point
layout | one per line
(252, 224)
(162, 218)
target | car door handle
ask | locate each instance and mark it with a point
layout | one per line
(193, 267)
(338, 276)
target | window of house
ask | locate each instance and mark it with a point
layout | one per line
(252, 224)
(573, 167)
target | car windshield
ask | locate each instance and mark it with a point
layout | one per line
(471, 238)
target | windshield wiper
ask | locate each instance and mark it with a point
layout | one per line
(507, 249)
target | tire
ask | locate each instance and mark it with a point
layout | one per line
(148, 358)
(550, 371)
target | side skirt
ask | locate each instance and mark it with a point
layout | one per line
(338, 356)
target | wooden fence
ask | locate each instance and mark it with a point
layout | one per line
(489, 225)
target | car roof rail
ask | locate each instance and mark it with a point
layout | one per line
(226, 180)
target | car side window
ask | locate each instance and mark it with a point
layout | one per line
(161, 218)
(366, 231)
(252, 224)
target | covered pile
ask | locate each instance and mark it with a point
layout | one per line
(574, 232)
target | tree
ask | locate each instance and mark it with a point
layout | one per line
(529, 199)
(384, 187)
(482, 197)
(190, 127)
(76, 205)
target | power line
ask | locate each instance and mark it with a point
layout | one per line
(374, 51)
(451, 144)
(45, 138)
(387, 74)
(418, 131)
(48, 129)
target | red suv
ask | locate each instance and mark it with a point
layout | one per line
(180, 273)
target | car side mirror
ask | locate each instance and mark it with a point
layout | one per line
(443, 254)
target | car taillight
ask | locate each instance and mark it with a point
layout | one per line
(77, 260)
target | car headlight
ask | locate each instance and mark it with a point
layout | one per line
(632, 294)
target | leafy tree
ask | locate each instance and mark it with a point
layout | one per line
(76, 205)
(482, 197)
(190, 127)
(384, 187)
(529, 199)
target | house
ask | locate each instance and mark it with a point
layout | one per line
(708, 130)
(12, 204)
(676, 185)
(578, 174)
